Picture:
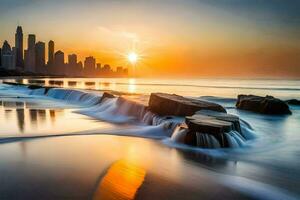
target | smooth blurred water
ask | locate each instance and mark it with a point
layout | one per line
(187, 87)
(88, 166)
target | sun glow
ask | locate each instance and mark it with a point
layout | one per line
(132, 57)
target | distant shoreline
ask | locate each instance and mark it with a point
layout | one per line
(17, 74)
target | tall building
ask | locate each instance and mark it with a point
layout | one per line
(72, 60)
(40, 57)
(106, 68)
(30, 54)
(19, 47)
(50, 52)
(59, 63)
(89, 66)
(14, 55)
(98, 66)
(7, 58)
(72, 67)
(31, 41)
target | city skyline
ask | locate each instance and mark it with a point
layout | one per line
(57, 63)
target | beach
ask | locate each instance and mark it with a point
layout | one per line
(65, 145)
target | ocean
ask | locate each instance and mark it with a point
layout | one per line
(63, 145)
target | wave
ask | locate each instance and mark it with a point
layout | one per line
(122, 110)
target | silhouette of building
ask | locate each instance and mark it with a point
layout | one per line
(59, 63)
(72, 68)
(80, 65)
(106, 69)
(98, 66)
(14, 54)
(50, 52)
(7, 56)
(89, 66)
(34, 60)
(19, 47)
(30, 54)
(120, 70)
(72, 59)
(40, 57)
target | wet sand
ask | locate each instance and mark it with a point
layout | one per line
(81, 167)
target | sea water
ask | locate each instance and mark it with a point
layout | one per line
(265, 167)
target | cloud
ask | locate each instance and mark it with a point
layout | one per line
(118, 33)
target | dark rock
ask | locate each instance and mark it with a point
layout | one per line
(106, 95)
(47, 88)
(34, 87)
(212, 123)
(295, 102)
(265, 105)
(171, 104)
(13, 83)
(207, 124)
(235, 120)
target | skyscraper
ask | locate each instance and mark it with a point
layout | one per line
(89, 66)
(50, 52)
(19, 47)
(59, 63)
(40, 57)
(7, 56)
(30, 54)
(72, 65)
(72, 60)
(31, 41)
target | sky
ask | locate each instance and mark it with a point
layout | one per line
(173, 38)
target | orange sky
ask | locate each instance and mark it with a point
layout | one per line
(173, 38)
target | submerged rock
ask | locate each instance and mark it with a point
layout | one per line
(210, 129)
(34, 87)
(265, 105)
(172, 104)
(293, 102)
(106, 95)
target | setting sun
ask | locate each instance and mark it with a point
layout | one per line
(132, 57)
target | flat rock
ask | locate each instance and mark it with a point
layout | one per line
(211, 123)
(235, 120)
(171, 104)
(208, 125)
(265, 105)
(293, 102)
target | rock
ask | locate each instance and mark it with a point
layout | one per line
(265, 105)
(106, 95)
(171, 104)
(235, 120)
(295, 102)
(34, 87)
(13, 83)
(205, 126)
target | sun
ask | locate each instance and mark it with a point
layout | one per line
(132, 57)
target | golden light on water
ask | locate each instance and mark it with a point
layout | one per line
(121, 181)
